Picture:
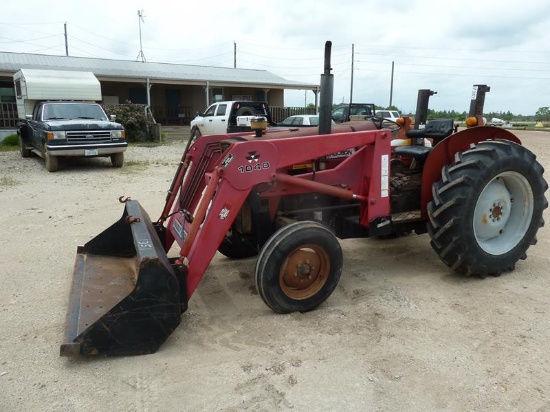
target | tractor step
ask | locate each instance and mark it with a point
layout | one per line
(406, 217)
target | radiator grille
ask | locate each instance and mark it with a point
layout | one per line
(89, 136)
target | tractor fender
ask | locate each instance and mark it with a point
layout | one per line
(443, 153)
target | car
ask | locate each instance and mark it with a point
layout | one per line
(343, 112)
(302, 120)
(392, 115)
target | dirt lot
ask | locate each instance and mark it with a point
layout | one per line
(400, 333)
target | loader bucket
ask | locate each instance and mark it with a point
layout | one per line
(126, 297)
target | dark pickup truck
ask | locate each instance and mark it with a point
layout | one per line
(66, 128)
(343, 112)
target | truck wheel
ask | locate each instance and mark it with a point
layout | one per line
(50, 161)
(487, 208)
(117, 159)
(298, 267)
(195, 134)
(245, 111)
(25, 152)
(237, 246)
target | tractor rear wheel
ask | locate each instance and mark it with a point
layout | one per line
(487, 208)
(299, 267)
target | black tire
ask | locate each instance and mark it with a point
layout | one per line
(298, 267)
(51, 162)
(245, 111)
(117, 159)
(195, 134)
(475, 225)
(237, 246)
(23, 149)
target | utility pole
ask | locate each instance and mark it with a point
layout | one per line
(234, 54)
(352, 62)
(66, 42)
(140, 19)
(391, 84)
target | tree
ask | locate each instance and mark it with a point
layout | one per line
(543, 113)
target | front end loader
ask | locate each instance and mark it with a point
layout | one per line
(288, 197)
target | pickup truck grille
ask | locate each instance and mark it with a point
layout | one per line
(89, 136)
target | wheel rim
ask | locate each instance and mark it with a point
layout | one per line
(304, 272)
(503, 213)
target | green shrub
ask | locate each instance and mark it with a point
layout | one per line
(10, 140)
(133, 118)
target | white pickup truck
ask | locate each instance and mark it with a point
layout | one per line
(388, 114)
(229, 117)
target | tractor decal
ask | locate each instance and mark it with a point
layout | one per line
(384, 186)
(227, 160)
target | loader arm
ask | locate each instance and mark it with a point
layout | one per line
(127, 295)
(217, 183)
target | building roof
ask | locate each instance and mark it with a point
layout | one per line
(126, 70)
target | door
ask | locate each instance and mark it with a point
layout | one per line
(173, 105)
(219, 121)
(208, 117)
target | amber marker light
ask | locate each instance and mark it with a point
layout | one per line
(471, 121)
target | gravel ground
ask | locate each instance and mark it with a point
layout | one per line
(400, 333)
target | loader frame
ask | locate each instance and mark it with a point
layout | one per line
(227, 181)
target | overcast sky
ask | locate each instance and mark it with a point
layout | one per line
(434, 44)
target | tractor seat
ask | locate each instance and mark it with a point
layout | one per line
(437, 130)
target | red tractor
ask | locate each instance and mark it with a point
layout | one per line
(288, 196)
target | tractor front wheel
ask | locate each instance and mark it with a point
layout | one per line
(487, 208)
(299, 267)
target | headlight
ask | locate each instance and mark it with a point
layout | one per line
(58, 134)
(118, 134)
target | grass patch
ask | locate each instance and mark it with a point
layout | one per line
(146, 144)
(10, 143)
(134, 166)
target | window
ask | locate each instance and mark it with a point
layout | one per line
(18, 87)
(243, 97)
(70, 111)
(314, 121)
(138, 95)
(222, 108)
(338, 114)
(260, 95)
(287, 121)
(211, 110)
(217, 94)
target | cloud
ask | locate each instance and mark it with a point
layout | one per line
(447, 47)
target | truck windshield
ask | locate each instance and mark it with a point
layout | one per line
(69, 111)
